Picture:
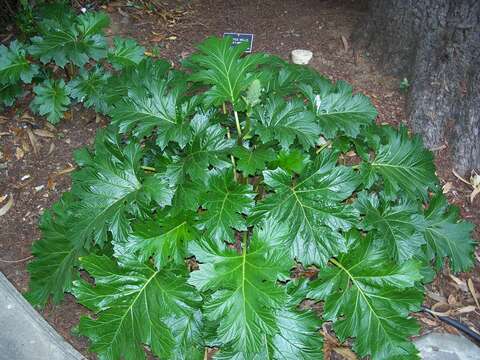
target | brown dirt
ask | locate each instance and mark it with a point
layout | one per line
(279, 27)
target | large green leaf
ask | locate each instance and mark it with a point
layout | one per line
(166, 112)
(245, 296)
(447, 236)
(340, 110)
(404, 165)
(166, 238)
(208, 147)
(89, 88)
(8, 93)
(135, 80)
(225, 201)
(135, 305)
(222, 66)
(251, 161)
(75, 43)
(369, 298)
(285, 122)
(14, 65)
(396, 227)
(311, 206)
(53, 269)
(110, 187)
(125, 53)
(51, 99)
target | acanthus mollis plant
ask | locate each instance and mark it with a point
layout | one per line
(74, 43)
(195, 212)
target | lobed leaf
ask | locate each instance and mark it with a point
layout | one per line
(225, 201)
(125, 53)
(56, 257)
(311, 208)
(222, 66)
(135, 305)
(446, 236)
(369, 298)
(51, 99)
(14, 65)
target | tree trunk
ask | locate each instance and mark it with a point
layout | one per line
(435, 44)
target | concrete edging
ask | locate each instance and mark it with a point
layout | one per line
(24, 334)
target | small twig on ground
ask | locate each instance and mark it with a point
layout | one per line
(17, 261)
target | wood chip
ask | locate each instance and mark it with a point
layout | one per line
(5, 208)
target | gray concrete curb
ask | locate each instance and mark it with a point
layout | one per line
(24, 334)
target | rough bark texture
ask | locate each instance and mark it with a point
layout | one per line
(435, 44)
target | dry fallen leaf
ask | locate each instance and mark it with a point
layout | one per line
(451, 299)
(65, 171)
(460, 283)
(4, 209)
(447, 187)
(345, 43)
(471, 287)
(51, 149)
(44, 133)
(33, 141)
(465, 309)
(345, 352)
(19, 153)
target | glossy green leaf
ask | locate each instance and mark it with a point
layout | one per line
(72, 43)
(166, 238)
(446, 236)
(225, 202)
(166, 112)
(340, 110)
(312, 207)
(285, 122)
(222, 66)
(14, 65)
(56, 256)
(245, 297)
(396, 227)
(369, 298)
(404, 165)
(208, 147)
(109, 188)
(51, 100)
(251, 161)
(134, 304)
(126, 52)
(89, 89)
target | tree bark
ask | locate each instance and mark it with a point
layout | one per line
(435, 44)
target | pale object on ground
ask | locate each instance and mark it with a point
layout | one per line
(436, 346)
(301, 57)
(25, 335)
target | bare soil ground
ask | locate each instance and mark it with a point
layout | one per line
(35, 158)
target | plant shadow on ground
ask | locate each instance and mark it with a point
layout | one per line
(36, 180)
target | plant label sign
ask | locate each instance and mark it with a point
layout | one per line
(239, 38)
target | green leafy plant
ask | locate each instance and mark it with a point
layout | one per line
(75, 43)
(216, 185)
